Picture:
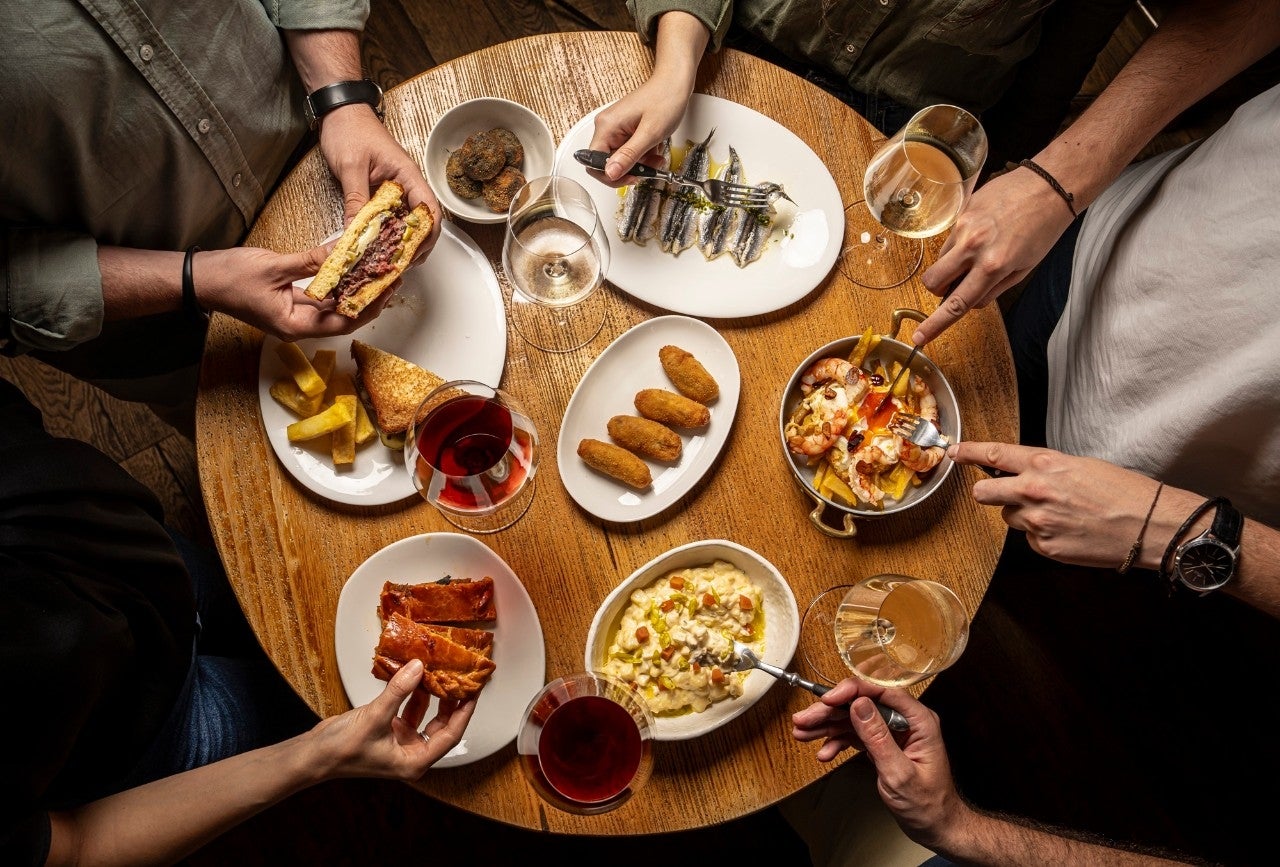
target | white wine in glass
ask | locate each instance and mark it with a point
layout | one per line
(914, 187)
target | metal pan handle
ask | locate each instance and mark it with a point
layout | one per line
(815, 517)
(902, 313)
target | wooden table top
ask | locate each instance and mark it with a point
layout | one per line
(288, 552)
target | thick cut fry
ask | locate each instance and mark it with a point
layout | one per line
(671, 408)
(616, 462)
(364, 425)
(323, 361)
(645, 437)
(834, 487)
(288, 395)
(343, 447)
(299, 366)
(861, 348)
(688, 375)
(320, 424)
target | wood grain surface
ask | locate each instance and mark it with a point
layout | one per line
(288, 552)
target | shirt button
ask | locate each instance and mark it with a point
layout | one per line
(146, 52)
(235, 181)
(204, 126)
(884, 2)
(851, 48)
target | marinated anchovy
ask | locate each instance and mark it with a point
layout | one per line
(678, 219)
(754, 230)
(718, 224)
(638, 213)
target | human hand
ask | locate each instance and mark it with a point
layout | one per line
(256, 286)
(378, 740)
(362, 154)
(1076, 510)
(913, 774)
(1005, 230)
(633, 129)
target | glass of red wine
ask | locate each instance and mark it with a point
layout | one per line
(584, 743)
(473, 453)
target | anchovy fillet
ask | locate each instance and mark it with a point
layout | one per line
(678, 218)
(719, 223)
(638, 213)
(754, 230)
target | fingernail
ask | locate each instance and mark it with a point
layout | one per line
(864, 709)
(918, 338)
(613, 169)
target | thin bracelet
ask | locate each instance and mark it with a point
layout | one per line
(1186, 525)
(1069, 198)
(190, 305)
(1142, 531)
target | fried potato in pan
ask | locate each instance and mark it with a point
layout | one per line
(688, 375)
(672, 409)
(616, 462)
(645, 437)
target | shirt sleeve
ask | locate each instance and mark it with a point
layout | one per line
(715, 14)
(317, 14)
(52, 292)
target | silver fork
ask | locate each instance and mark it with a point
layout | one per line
(745, 659)
(922, 432)
(717, 191)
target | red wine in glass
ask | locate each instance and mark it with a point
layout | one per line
(476, 455)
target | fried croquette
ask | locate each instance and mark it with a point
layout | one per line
(499, 192)
(510, 145)
(483, 156)
(688, 375)
(461, 185)
(645, 437)
(670, 408)
(616, 462)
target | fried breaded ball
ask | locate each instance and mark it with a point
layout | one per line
(482, 156)
(615, 462)
(499, 191)
(670, 408)
(645, 437)
(510, 145)
(458, 181)
(687, 373)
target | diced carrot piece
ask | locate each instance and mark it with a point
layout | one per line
(677, 582)
(667, 605)
(708, 600)
(745, 603)
(717, 676)
(642, 634)
(668, 652)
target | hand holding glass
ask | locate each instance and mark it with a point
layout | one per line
(473, 455)
(890, 630)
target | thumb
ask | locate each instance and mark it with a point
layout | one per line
(304, 263)
(872, 731)
(626, 155)
(387, 704)
(355, 191)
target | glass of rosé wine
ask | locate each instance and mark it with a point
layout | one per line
(473, 453)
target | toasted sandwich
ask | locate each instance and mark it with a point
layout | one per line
(373, 252)
(391, 389)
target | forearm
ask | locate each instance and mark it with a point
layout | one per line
(139, 282)
(983, 838)
(682, 40)
(162, 822)
(324, 56)
(1199, 46)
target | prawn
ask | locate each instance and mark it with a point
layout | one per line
(836, 370)
(912, 456)
(819, 420)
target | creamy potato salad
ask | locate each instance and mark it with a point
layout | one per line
(677, 628)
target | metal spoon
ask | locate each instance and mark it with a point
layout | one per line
(744, 659)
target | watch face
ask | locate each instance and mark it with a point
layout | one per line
(1205, 564)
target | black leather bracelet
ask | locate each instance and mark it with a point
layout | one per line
(325, 99)
(1212, 502)
(190, 305)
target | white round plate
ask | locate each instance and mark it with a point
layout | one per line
(609, 387)
(518, 651)
(789, 269)
(447, 316)
(781, 628)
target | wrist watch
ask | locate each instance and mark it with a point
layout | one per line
(325, 99)
(1207, 562)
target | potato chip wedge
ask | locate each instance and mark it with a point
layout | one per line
(343, 447)
(321, 423)
(323, 362)
(299, 366)
(288, 395)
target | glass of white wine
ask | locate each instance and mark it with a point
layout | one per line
(914, 187)
(891, 630)
(555, 254)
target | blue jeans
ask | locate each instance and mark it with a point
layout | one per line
(233, 700)
(1030, 321)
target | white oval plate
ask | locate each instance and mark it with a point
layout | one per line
(790, 267)
(609, 387)
(781, 628)
(447, 316)
(518, 651)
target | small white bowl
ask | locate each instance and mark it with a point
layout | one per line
(481, 115)
(781, 628)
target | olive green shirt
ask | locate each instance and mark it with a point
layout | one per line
(153, 124)
(916, 52)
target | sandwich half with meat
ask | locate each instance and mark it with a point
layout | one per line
(392, 390)
(374, 250)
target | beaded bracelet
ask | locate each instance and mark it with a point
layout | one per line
(1136, 548)
(1069, 198)
(190, 305)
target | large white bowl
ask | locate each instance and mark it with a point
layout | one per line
(480, 115)
(781, 628)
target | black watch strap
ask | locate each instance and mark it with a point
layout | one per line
(1166, 562)
(325, 99)
(1228, 524)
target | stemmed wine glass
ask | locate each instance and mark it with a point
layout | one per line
(473, 453)
(891, 630)
(555, 254)
(914, 187)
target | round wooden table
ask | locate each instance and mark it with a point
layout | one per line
(288, 552)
